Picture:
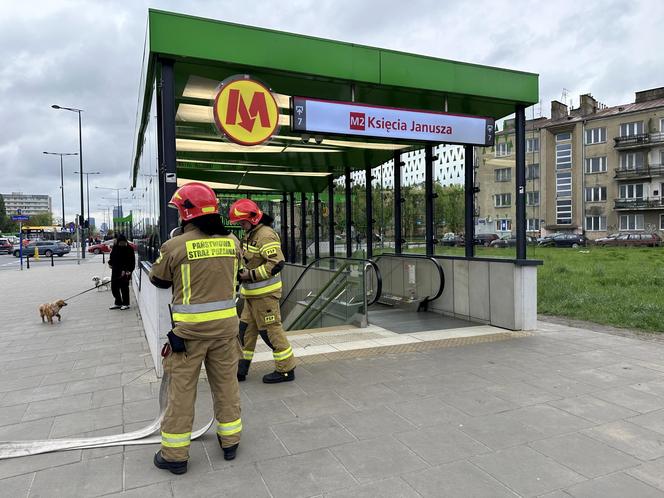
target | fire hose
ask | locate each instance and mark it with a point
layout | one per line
(14, 449)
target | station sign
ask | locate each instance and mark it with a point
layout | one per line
(350, 118)
(20, 217)
(245, 111)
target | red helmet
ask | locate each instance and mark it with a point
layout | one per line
(193, 200)
(245, 209)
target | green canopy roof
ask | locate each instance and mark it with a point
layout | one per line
(208, 51)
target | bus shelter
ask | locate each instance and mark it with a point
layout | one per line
(249, 110)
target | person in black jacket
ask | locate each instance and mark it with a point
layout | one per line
(122, 263)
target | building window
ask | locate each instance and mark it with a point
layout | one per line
(532, 145)
(632, 160)
(532, 171)
(502, 200)
(563, 156)
(503, 149)
(532, 225)
(561, 137)
(596, 164)
(595, 223)
(532, 198)
(661, 219)
(631, 191)
(595, 194)
(631, 129)
(504, 174)
(564, 212)
(631, 222)
(595, 136)
(563, 184)
(503, 225)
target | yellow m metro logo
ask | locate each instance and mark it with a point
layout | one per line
(246, 112)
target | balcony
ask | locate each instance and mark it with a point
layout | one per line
(639, 141)
(639, 203)
(644, 172)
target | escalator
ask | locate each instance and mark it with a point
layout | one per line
(330, 292)
(409, 284)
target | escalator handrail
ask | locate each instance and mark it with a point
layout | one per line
(320, 293)
(435, 262)
(379, 280)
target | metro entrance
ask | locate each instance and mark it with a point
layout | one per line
(286, 119)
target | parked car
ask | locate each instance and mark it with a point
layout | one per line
(46, 248)
(564, 240)
(451, 240)
(631, 239)
(508, 240)
(6, 246)
(106, 247)
(484, 239)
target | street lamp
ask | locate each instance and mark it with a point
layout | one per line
(87, 187)
(62, 178)
(80, 158)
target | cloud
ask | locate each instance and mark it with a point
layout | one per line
(89, 54)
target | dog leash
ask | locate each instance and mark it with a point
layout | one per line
(76, 295)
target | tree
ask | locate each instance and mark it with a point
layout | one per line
(450, 205)
(3, 214)
(40, 219)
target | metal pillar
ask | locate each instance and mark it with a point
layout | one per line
(303, 226)
(293, 248)
(429, 196)
(167, 172)
(330, 214)
(349, 239)
(369, 211)
(284, 226)
(398, 201)
(520, 123)
(62, 188)
(316, 222)
(469, 191)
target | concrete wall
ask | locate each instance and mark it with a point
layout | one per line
(153, 305)
(498, 293)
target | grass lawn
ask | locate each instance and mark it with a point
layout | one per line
(623, 287)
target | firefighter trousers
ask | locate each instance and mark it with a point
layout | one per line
(262, 316)
(221, 357)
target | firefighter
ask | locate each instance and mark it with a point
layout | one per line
(261, 288)
(201, 266)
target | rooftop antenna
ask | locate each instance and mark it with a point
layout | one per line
(564, 95)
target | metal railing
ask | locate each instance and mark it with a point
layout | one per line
(641, 139)
(642, 172)
(641, 203)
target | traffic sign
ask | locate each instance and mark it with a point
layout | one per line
(20, 217)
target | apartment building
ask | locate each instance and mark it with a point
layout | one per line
(29, 204)
(592, 169)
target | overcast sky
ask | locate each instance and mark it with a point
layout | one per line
(87, 54)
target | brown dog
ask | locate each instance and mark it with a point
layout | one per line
(49, 310)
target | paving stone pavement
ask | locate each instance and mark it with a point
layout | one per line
(564, 412)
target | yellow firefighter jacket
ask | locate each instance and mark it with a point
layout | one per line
(264, 260)
(203, 272)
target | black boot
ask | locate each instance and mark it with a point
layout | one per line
(276, 377)
(243, 369)
(230, 452)
(174, 467)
